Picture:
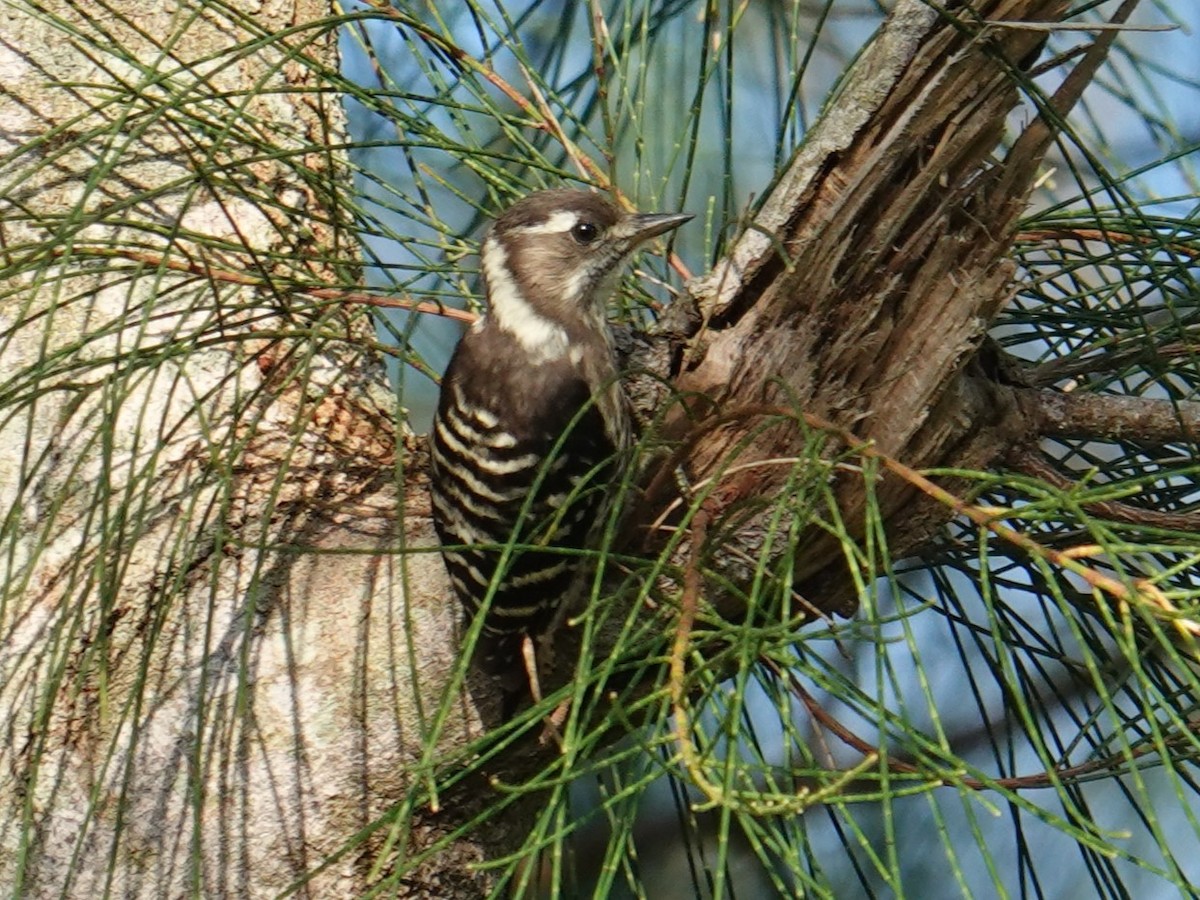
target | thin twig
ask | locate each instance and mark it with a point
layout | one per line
(231, 276)
(1114, 762)
(1034, 462)
(1075, 26)
(584, 164)
(1108, 236)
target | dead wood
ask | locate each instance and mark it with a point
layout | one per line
(863, 288)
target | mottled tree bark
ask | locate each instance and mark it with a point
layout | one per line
(215, 667)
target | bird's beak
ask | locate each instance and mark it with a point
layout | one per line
(644, 226)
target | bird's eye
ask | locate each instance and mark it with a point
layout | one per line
(585, 232)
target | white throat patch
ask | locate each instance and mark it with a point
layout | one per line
(543, 340)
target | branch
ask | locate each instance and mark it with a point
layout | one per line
(1034, 462)
(1112, 417)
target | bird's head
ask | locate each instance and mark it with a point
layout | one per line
(551, 261)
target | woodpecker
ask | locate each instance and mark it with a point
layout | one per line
(532, 425)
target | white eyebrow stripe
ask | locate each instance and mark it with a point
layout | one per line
(558, 223)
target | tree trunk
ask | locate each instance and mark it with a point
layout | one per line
(220, 664)
(213, 671)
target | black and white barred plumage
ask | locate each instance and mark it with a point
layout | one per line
(532, 427)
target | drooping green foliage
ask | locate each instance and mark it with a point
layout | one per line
(992, 722)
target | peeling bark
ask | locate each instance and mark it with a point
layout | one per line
(863, 290)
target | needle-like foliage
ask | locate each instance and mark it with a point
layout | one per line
(221, 618)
